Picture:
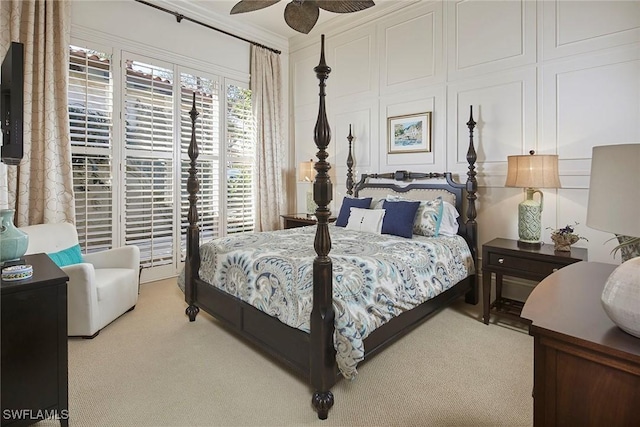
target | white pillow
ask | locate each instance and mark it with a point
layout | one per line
(369, 220)
(449, 224)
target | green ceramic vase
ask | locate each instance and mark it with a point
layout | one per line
(13, 241)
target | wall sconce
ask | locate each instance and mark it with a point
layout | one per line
(532, 172)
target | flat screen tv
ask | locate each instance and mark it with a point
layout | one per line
(12, 103)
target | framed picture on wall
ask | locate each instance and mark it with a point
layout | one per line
(410, 133)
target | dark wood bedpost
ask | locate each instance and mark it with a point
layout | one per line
(192, 265)
(322, 352)
(471, 224)
(350, 165)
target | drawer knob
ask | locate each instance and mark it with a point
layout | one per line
(500, 260)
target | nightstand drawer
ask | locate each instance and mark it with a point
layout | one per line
(536, 267)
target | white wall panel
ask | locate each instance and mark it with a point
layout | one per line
(609, 24)
(427, 99)
(363, 156)
(304, 78)
(588, 102)
(354, 66)
(412, 49)
(504, 108)
(487, 36)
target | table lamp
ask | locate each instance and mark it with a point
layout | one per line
(614, 206)
(531, 172)
(306, 173)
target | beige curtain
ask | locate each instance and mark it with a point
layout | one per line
(266, 98)
(41, 187)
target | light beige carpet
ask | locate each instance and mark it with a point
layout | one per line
(152, 367)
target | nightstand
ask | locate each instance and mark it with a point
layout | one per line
(505, 257)
(300, 220)
(34, 345)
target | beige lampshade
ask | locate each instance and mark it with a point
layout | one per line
(533, 171)
(614, 189)
(306, 172)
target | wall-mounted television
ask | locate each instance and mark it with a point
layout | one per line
(12, 103)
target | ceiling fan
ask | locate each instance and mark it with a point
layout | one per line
(302, 15)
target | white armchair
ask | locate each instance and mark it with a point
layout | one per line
(101, 288)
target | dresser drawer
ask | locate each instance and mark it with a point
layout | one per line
(535, 267)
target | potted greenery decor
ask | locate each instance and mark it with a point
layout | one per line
(564, 237)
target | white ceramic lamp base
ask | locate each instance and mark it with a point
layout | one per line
(621, 296)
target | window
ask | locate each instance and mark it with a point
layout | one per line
(149, 180)
(240, 160)
(90, 97)
(130, 137)
(207, 128)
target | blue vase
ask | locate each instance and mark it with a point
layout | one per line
(13, 241)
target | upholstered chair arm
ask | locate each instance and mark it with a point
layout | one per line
(82, 299)
(123, 257)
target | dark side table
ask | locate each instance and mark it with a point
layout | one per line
(34, 345)
(300, 220)
(504, 257)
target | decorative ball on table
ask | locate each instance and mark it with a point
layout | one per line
(621, 296)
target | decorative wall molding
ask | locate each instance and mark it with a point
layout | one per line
(485, 37)
(611, 24)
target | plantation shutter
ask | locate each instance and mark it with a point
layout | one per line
(149, 174)
(208, 138)
(90, 103)
(240, 159)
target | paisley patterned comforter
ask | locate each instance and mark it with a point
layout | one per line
(376, 277)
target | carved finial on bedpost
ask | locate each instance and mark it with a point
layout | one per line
(192, 265)
(322, 359)
(350, 165)
(472, 188)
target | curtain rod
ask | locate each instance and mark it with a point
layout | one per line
(180, 17)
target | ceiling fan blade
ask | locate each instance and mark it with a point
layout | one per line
(337, 6)
(301, 16)
(250, 5)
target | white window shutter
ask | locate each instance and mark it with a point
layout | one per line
(90, 95)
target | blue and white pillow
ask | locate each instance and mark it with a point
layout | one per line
(345, 209)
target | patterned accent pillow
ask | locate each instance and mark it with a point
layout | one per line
(428, 218)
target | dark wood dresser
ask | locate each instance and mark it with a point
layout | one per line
(34, 345)
(586, 369)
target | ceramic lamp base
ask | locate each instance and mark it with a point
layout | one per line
(13, 241)
(621, 296)
(529, 219)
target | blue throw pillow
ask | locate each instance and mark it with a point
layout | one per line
(69, 256)
(345, 209)
(399, 217)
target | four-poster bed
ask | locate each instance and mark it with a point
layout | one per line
(320, 346)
